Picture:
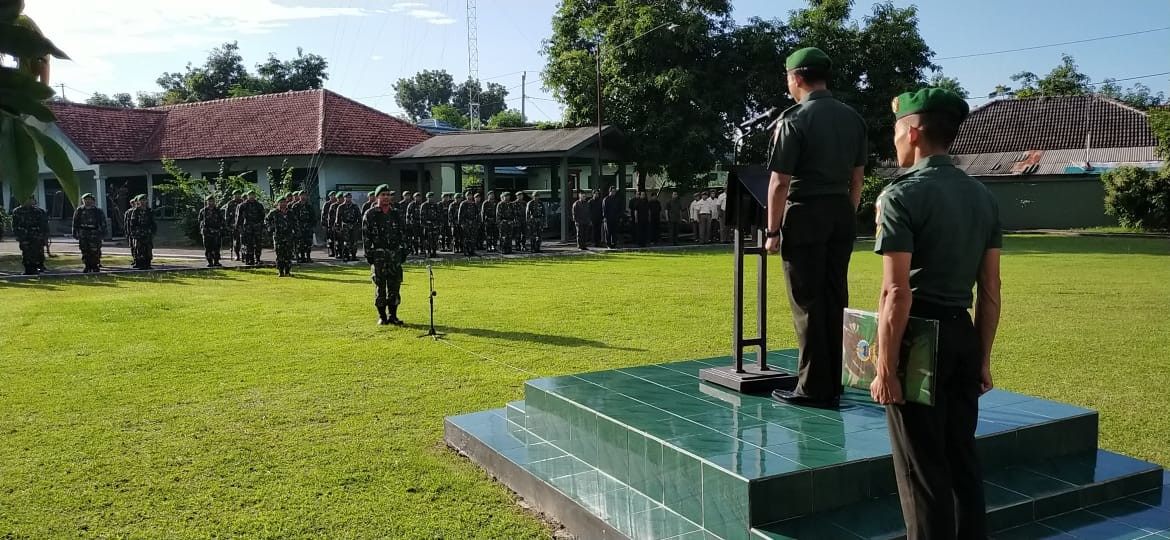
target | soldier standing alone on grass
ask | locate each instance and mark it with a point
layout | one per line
(279, 223)
(89, 228)
(211, 227)
(382, 235)
(31, 226)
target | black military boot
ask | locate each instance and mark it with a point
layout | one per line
(394, 317)
(383, 320)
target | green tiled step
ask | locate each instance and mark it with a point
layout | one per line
(1056, 495)
(660, 430)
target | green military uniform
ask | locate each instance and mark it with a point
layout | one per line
(505, 222)
(327, 223)
(348, 222)
(382, 235)
(89, 228)
(229, 216)
(280, 224)
(947, 221)
(453, 219)
(819, 141)
(487, 213)
(534, 222)
(468, 219)
(430, 215)
(140, 228)
(250, 224)
(211, 227)
(31, 227)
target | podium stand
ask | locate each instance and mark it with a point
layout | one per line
(747, 200)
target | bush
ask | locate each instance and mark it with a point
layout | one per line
(870, 189)
(1138, 198)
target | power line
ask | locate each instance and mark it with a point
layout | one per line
(1114, 36)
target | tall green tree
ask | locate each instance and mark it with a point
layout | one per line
(1064, 80)
(668, 91)
(506, 119)
(949, 83)
(427, 89)
(452, 116)
(23, 92)
(223, 75)
(1138, 96)
(491, 100)
(121, 99)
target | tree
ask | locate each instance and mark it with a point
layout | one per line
(668, 91)
(1064, 80)
(1138, 198)
(450, 115)
(506, 119)
(121, 99)
(23, 92)
(149, 99)
(491, 101)
(950, 83)
(1138, 96)
(418, 95)
(223, 75)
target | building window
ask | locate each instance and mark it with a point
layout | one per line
(56, 203)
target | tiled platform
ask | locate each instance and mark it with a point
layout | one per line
(650, 452)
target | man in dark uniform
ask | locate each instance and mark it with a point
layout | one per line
(611, 209)
(596, 217)
(534, 222)
(368, 202)
(581, 220)
(414, 226)
(348, 224)
(382, 236)
(818, 163)
(939, 234)
(506, 222)
(445, 222)
(487, 214)
(229, 216)
(430, 219)
(30, 224)
(279, 223)
(519, 231)
(250, 223)
(89, 228)
(327, 222)
(674, 213)
(140, 226)
(469, 224)
(211, 227)
(655, 219)
(640, 218)
(453, 219)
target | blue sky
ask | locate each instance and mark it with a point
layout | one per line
(123, 45)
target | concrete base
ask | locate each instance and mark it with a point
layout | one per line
(752, 380)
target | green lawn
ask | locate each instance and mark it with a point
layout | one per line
(236, 404)
(11, 263)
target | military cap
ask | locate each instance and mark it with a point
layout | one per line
(249, 192)
(87, 196)
(330, 193)
(392, 193)
(808, 57)
(430, 194)
(378, 190)
(458, 195)
(209, 198)
(506, 194)
(930, 100)
(139, 197)
(371, 193)
(237, 192)
(282, 197)
(347, 194)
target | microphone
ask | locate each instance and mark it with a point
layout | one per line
(765, 117)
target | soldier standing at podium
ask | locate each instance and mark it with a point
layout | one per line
(939, 234)
(817, 161)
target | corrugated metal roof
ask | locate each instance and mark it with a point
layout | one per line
(500, 142)
(1048, 162)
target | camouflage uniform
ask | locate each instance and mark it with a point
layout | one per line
(414, 227)
(534, 218)
(89, 228)
(31, 226)
(335, 229)
(430, 220)
(469, 226)
(140, 228)
(281, 225)
(505, 222)
(211, 227)
(453, 220)
(487, 215)
(250, 223)
(327, 225)
(348, 224)
(444, 206)
(302, 216)
(382, 235)
(229, 217)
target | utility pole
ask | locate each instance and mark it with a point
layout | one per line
(473, 65)
(62, 85)
(523, 97)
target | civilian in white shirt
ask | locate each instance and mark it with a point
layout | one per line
(693, 215)
(724, 229)
(706, 206)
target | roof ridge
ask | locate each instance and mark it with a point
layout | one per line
(104, 107)
(369, 108)
(239, 98)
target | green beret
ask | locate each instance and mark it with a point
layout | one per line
(281, 197)
(139, 197)
(87, 196)
(808, 57)
(458, 196)
(506, 194)
(237, 192)
(372, 194)
(330, 193)
(209, 198)
(378, 190)
(347, 194)
(930, 100)
(249, 192)
(430, 194)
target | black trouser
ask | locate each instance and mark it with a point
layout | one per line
(816, 244)
(583, 234)
(642, 232)
(211, 247)
(939, 480)
(596, 229)
(673, 226)
(611, 231)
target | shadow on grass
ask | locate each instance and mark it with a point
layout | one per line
(546, 339)
(1106, 245)
(61, 282)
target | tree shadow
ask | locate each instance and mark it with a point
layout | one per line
(546, 339)
(1053, 244)
(58, 282)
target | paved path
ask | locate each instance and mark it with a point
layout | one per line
(187, 259)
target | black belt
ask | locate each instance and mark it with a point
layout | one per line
(931, 310)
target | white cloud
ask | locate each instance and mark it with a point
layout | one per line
(441, 20)
(426, 14)
(376, 58)
(404, 6)
(94, 32)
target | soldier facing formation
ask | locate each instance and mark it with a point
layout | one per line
(140, 230)
(30, 224)
(250, 223)
(383, 239)
(280, 222)
(211, 227)
(89, 228)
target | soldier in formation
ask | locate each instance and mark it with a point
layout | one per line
(211, 226)
(469, 224)
(581, 219)
(519, 237)
(534, 219)
(303, 214)
(281, 224)
(348, 225)
(487, 213)
(445, 223)
(382, 236)
(334, 229)
(506, 222)
(414, 224)
(140, 229)
(250, 223)
(368, 202)
(456, 229)
(89, 228)
(31, 227)
(229, 214)
(431, 216)
(327, 224)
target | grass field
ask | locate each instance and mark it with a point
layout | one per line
(11, 264)
(235, 404)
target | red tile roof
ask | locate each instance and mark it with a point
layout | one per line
(291, 123)
(1052, 123)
